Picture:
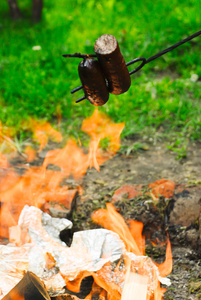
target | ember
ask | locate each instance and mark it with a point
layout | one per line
(114, 256)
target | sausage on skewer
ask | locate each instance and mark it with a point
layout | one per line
(93, 81)
(112, 64)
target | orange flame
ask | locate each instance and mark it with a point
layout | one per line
(112, 220)
(43, 131)
(99, 127)
(107, 282)
(30, 153)
(39, 184)
(166, 267)
(104, 284)
(134, 243)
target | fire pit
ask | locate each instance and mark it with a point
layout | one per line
(113, 259)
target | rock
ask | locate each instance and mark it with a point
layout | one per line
(186, 210)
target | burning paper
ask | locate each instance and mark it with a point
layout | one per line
(134, 259)
(100, 253)
(49, 258)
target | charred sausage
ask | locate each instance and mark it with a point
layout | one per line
(112, 64)
(93, 81)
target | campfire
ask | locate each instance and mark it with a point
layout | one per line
(35, 263)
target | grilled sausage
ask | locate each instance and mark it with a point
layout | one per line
(112, 64)
(93, 81)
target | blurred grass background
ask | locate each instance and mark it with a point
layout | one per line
(163, 100)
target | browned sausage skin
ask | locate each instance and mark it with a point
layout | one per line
(112, 64)
(93, 81)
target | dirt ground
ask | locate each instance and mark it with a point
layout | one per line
(144, 167)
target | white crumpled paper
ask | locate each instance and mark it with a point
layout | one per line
(90, 250)
(52, 261)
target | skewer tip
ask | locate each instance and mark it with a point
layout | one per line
(81, 99)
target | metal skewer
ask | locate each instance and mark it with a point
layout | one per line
(80, 99)
(76, 89)
(127, 64)
(143, 59)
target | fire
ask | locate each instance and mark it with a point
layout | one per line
(98, 127)
(138, 273)
(40, 185)
(135, 243)
(42, 131)
(111, 220)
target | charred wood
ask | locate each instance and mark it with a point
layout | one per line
(30, 287)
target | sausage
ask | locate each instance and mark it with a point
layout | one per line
(93, 81)
(112, 64)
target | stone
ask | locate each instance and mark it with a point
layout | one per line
(186, 210)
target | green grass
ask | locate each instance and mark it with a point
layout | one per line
(162, 98)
